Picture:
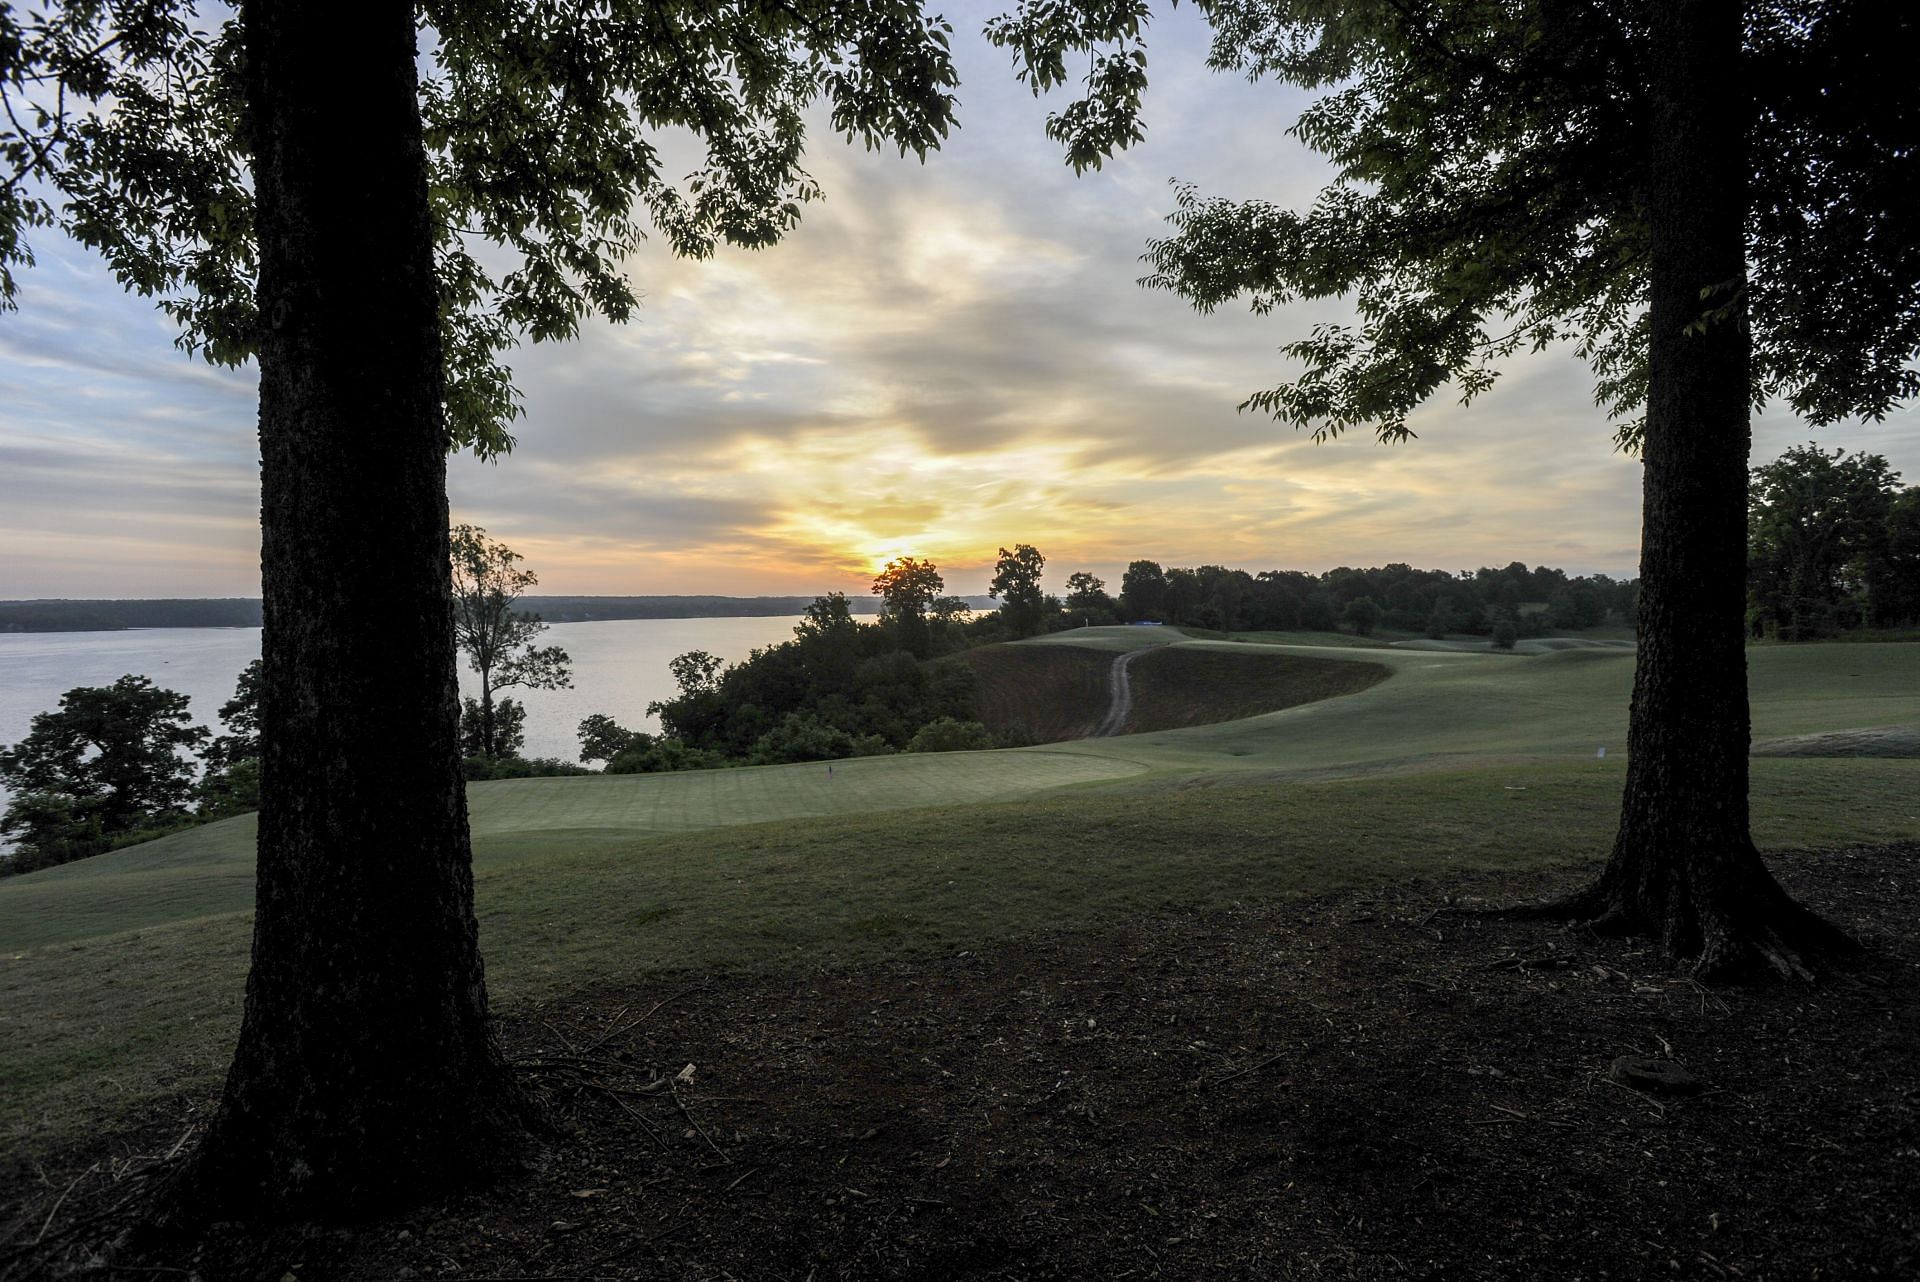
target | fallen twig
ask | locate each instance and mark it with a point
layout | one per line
(612, 1033)
(632, 1112)
(1251, 1068)
(58, 1202)
(695, 1124)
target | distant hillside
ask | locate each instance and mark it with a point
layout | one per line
(115, 616)
(240, 612)
(1053, 693)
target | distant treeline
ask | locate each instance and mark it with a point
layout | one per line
(1394, 597)
(581, 609)
(115, 616)
(238, 612)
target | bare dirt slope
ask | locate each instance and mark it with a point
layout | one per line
(1050, 693)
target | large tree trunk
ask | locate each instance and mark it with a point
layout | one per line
(1684, 867)
(365, 1072)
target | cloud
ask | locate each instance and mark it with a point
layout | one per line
(943, 359)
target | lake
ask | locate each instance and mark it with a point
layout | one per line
(619, 666)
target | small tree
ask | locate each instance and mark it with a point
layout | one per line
(497, 639)
(1016, 584)
(241, 716)
(1143, 591)
(1506, 633)
(827, 618)
(1361, 615)
(1817, 536)
(494, 734)
(231, 784)
(107, 763)
(907, 586)
(1895, 590)
(1087, 592)
(602, 738)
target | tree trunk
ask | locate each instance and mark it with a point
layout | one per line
(489, 744)
(1684, 866)
(365, 1073)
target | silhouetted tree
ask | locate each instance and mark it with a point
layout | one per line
(907, 586)
(231, 784)
(498, 639)
(106, 763)
(1818, 538)
(241, 716)
(602, 738)
(1680, 189)
(268, 178)
(1086, 591)
(1143, 591)
(1016, 584)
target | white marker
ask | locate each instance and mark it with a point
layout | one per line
(1602, 754)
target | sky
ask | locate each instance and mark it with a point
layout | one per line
(944, 359)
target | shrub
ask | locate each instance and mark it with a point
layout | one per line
(801, 736)
(664, 755)
(477, 768)
(948, 735)
(233, 790)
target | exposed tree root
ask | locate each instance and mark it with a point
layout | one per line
(1729, 929)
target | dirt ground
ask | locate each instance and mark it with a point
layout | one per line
(1363, 1086)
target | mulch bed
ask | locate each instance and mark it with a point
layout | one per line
(1367, 1085)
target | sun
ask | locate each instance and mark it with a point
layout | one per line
(890, 552)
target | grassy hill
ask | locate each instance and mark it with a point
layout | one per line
(120, 976)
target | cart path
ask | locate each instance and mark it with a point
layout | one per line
(1119, 696)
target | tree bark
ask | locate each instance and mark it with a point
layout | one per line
(488, 742)
(1684, 867)
(365, 1073)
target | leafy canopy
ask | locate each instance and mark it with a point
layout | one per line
(1489, 192)
(1821, 542)
(108, 761)
(906, 586)
(1016, 584)
(123, 127)
(241, 715)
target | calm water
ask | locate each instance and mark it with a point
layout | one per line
(619, 666)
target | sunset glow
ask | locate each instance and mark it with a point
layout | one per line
(940, 361)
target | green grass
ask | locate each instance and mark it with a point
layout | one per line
(120, 976)
(781, 898)
(209, 870)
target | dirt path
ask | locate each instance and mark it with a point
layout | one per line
(1119, 697)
